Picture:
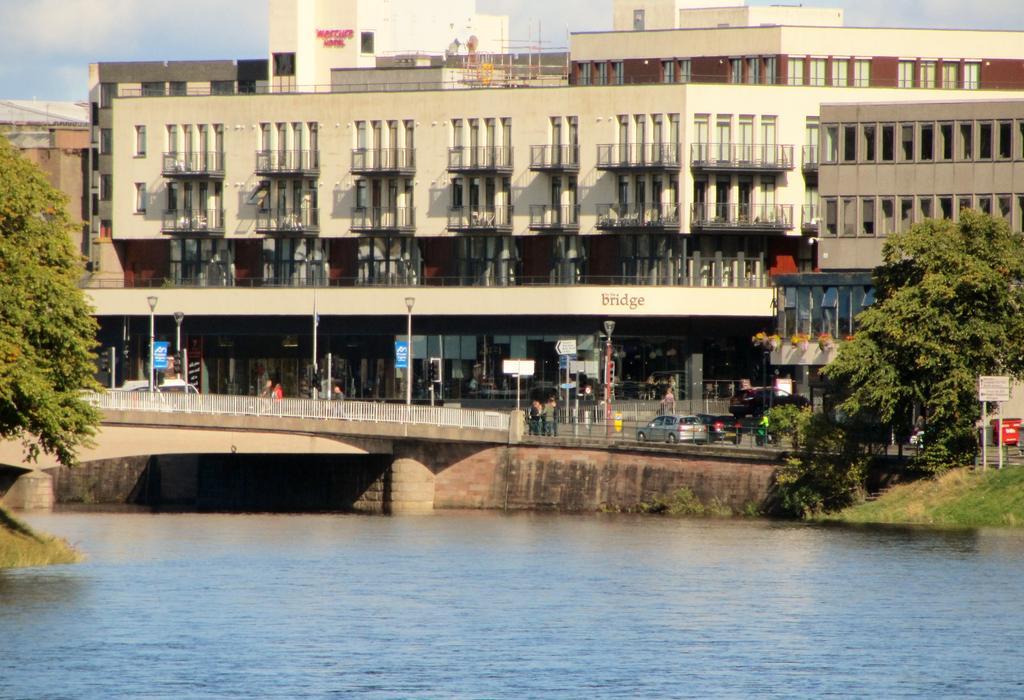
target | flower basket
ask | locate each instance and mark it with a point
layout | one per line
(800, 341)
(825, 341)
(765, 341)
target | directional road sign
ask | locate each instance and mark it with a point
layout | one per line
(566, 346)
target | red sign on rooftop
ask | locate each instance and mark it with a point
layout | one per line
(335, 38)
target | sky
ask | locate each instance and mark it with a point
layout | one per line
(46, 46)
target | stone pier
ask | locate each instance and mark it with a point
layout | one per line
(411, 487)
(31, 491)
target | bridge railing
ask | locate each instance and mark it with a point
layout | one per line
(364, 411)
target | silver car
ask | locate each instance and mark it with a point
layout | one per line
(673, 429)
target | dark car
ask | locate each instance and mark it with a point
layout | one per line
(721, 428)
(754, 402)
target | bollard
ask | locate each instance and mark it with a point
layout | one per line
(618, 422)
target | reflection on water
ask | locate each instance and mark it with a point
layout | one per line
(490, 605)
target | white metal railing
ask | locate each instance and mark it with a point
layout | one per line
(312, 409)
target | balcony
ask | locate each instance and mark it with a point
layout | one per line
(810, 219)
(305, 220)
(287, 163)
(555, 159)
(383, 161)
(480, 219)
(545, 217)
(201, 221)
(197, 164)
(383, 219)
(809, 159)
(482, 159)
(642, 218)
(740, 157)
(766, 218)
(638, 157)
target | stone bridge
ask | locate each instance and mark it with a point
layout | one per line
(167, 455)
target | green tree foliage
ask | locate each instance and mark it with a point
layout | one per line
(47, 333)
(949, 307)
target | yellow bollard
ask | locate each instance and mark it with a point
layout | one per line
(618, 422)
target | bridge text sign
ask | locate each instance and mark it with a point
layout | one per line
(994, 389)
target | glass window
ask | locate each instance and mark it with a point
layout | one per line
(222, 87)
(1005, 140)
(685, 71)
(106, 141)
(831, 216)
(620, 74)
(888, 142)
(907, 142)
(950, 75)
(928, 74)
(985, 204)
(972, 76)
(817, 73)
(584, 78)
(985, 140)
(849, 216)
(140, 197)
(736, 70)
(668, 71)
(178, 88)
(795, 70)
(868, 137)
(366, 42)
(966, 140)
(849, 143)
(140, 140)
(946, 207)
(284, 64)
(862, 73)
(770, 70)
(946, 141)
(906, 213)
(906, 74)
(754, 71)
(888, 207)
(1004, 206)
(867, 218)
(924, 206)
(831, 144)
(964, 201)
(840, 72)
(927, 142)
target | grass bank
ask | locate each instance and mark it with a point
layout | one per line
(960, 498)
(21, 547)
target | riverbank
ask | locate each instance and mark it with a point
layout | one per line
(21, 547)
(961, 498)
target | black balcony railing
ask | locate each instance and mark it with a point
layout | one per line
(287, 162)
(810, 221)
(546, 217)
(648, 217)
(746, 217)
(465, 219)
(401, 161)
(741, 157)
(809, 158)
(638, 156)
(383, 219)
(193, 221)
(193, 164)
(555, 158)
(467, 159)
(304, 220)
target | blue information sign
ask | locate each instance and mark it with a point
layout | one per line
(160, 349)
(401, 354)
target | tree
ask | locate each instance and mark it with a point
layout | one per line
(949, 307)
(47, 332)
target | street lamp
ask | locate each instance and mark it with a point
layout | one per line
(179, 316)
(152, 337)
(409, 302)
(609, 328)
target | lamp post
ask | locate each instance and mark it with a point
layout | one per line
(609, 328)
(409, 302)
(179, 316)
(152, 337)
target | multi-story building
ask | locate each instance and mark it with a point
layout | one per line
(663, 185)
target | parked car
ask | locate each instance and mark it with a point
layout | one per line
(177, 386)
(754, 402)
(722, 428)
(673, 429)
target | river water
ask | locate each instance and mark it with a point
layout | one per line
(475, 605)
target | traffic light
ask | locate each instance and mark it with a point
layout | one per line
(434, 369)
(104, 361)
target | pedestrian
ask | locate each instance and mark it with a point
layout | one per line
(535, 417)
(668, 402)
(278, 391)
(763, 428)
(337, 394)
(268, 389)
(550, 424)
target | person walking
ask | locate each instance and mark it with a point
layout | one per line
(668, 402)
(550, 426)
(763, 430)
(535, 417)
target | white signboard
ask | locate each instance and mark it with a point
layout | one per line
(993, 388)
(519, 368)
(566, 346)
(585, 366)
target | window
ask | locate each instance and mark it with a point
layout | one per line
(140, 141)
(106, 187)
(888, 142)
(620, 73)
(840, 72)
(817, 71)
(639, 20)
(754, 71)
(849, 216)
(222, 87)
(906, 213)
(284, 64)
(867, 219)
(985, 140)
(668, 71)
(154, 89)
(927, 142)
(946, 207)
(602, 73)
(685, 71)
(795, 71)
(106, 229)
(1004, 205)
(736, 70)
(172, 196)
(906, 75)
(366, 42)
(927, 74)
(140, 197)
(966, 140)
(946, 141)
(907, 142)
(108, 91)
(770, 70)
(972, 76)
(1005, 140)
(831, 216)
(1020, 137)
(584, 78)
(985, 204)
(868, 135)
(849, 143)
(964, 201)
(888, 207)
(246, 87)
(862, 73)
(831, 154)
(178, 88)
(924, 206)
(950, 75)
(106, 141)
